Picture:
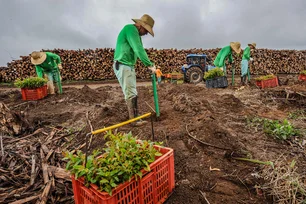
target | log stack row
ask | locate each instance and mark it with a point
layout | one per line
(96, 64)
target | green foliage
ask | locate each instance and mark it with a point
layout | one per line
(280, 130)
(303, 72)
(262, 78)
(211, 74)
(121, 159)
(31, 82)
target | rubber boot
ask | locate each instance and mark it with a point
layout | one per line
(135, 108)
(242, 81)
(58, 80)
(130, 107)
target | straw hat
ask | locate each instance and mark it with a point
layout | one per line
(236, 47)
(38, 57)
(147, 22)
(252, 44)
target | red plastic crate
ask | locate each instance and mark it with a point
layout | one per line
(34, 94)
(269, 83)
(302, 77)
(154, 187)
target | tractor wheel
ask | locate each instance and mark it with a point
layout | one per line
(194, 75)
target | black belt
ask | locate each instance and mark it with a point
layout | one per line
(117, 63)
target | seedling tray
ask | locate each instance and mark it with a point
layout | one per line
(218, 82)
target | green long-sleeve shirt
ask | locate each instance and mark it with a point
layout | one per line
(223, 54)
(247, 53)
(129, 46)
(50, 64)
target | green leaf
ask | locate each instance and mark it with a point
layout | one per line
(158, 154)
(104, 181)
(113, 185)
(292, 164)
(78, 167)
(139, 174)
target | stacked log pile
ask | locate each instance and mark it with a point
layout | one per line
(96, 64)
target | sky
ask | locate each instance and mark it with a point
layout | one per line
(28, 25)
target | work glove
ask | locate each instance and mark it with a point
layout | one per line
(153, 69)
(251, 59)
(60, 66)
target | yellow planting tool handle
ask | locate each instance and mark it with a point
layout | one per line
(120, 124)
(110, 128)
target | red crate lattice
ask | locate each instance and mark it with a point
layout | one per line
(153, 187)
(269, 83)
(302, 77)
(34, 94)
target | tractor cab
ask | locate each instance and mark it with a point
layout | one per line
(193, 59)
(196, 65)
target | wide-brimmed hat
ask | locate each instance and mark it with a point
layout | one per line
(38, 57)
(236, 47)
(147, 22)
(252, 44)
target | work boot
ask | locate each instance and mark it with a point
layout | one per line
(130, 108)
(135, 107)
(242, 81)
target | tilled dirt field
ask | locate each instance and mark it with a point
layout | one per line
(215, 116)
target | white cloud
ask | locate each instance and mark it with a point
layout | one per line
(72, 24)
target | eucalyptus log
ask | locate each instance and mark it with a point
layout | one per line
(96, 64)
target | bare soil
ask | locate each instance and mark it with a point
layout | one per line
(215, 116)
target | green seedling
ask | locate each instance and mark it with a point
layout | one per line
(31, 82)
(121, 159)
(262, 78)
(211, 74)
(303, 73)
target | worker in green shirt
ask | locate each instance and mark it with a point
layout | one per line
(48, 64)
(129, 47)
(226, 53)
(246, 57)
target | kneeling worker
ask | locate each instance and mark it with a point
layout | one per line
(48, 64)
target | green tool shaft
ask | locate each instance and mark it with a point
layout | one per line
(155, 95)
(233, 76)
(249, 74)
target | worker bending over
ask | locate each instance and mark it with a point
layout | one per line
(226, 53)
(49, 65)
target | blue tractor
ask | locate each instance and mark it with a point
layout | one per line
(197, 65)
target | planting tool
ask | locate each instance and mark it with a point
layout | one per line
(233, 74)
(155, 96)
(255, 161)
(120, 124)
(116, 126)
(249, 75)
